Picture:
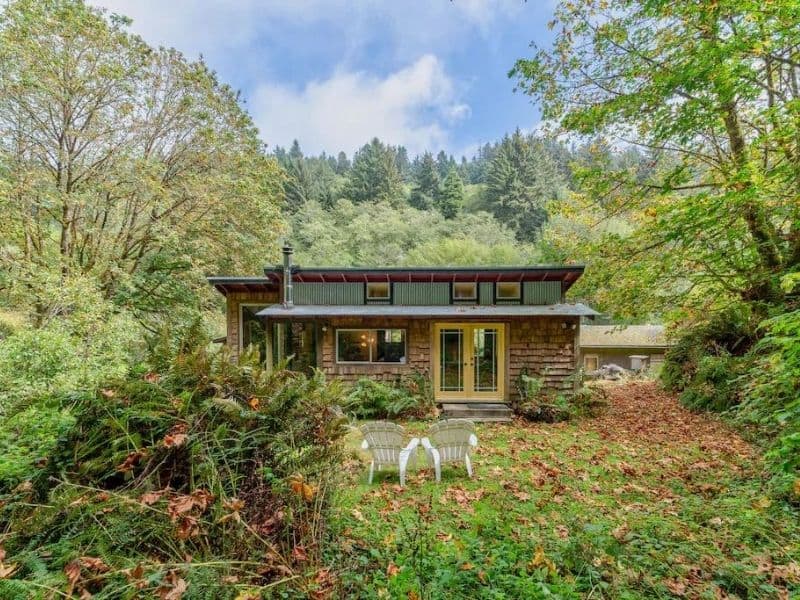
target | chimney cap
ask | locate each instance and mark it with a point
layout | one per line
(287, 249)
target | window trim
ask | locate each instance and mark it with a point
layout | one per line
(370, 362)
(474, 295)
(596, 357)
(386, 298)
(497, 290)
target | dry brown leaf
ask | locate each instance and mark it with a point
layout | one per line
(6, 570)
(151, 377)
(540, 560)
(392, 570)
(299, 554)
(133, 459)
(108, 393)
(172, 588)
(73, 572)
(253, 402)
(151, 497)
(94, 564)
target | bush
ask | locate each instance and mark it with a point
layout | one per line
(707, 359)
(222, 463)
(371, 399)
(772, 391)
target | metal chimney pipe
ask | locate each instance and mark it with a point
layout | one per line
(288, 294)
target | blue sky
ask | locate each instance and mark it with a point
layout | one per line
(333, 73)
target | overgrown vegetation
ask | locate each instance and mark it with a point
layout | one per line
(411, 396)
(535, 402)
(208, 478)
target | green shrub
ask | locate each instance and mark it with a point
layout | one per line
(772, 390)
(225, 463)
(371, 399)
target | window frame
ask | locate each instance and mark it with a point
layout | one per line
(596, 358)
(473, 297)
(240, 342)
(386, 298)
(497, 295)
(371, 330)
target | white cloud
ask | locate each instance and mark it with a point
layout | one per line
(343, 112)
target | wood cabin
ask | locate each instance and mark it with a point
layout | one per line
(472, 330)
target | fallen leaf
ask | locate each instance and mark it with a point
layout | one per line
(253, 402)
(6, 570)
(73, 572)
(108, 393)
(299, 554)
(392, 570)
(151, 377)
(172, 588)
(467, 566)
(176, 436)
(94, 564)
(540, 560)
(676, 586)
(151, 497)
(130, 461)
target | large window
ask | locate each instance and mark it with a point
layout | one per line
(253, 333)
(371, 346)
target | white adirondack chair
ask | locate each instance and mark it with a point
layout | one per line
(385, 442)
(450, 440)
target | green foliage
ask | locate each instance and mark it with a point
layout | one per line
(379, 234)
(707, 362)
(371, 399)
(772, 392)
(520, 181)
(426, 184)
(374, 176)
(82, 341)
(225, 463)
(153, 177)
(451, 196)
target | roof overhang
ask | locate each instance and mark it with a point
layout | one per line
(567, 274)
(227, 285)
(427, 312)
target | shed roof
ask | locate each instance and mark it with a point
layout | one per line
(617, 336)
(567, 274)
(422, 312)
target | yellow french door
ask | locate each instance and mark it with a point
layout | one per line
(469, 361)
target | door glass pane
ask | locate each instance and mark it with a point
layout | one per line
(485, 359)
(451, 373)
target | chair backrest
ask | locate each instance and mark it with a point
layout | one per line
(451, 438)
(385, 440)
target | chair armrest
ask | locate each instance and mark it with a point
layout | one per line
(426, 443)
(412, 444)
(473, 440)
(365, 445)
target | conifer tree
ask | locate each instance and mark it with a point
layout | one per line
(426, 183)
(451, 196)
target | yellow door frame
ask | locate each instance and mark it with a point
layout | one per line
(469, 394)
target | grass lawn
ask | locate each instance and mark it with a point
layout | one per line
(646, 501)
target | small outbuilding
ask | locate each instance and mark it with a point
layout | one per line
(634, 347)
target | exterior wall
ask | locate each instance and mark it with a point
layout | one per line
(542, 347)
(418, 349)
(539, 346)
(233, 301)
(621, 356)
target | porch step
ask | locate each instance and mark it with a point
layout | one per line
(477, 411)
